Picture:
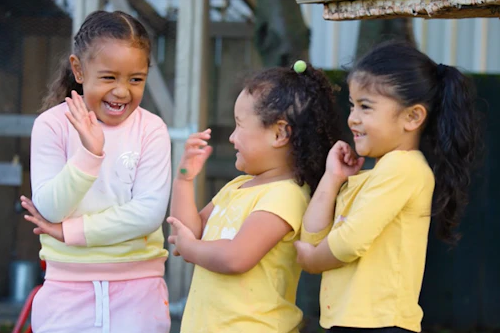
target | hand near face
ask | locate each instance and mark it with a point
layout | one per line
(86, 124)
(196, 153)
(342, 162)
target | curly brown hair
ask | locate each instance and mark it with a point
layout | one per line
(306, 101)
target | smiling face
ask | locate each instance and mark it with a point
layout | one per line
(113, 79)
(377, 122)
(251, 139)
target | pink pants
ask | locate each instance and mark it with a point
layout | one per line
(130, 306)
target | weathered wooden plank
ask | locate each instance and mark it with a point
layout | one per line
(36, 73)
(155, 83)
(191, 110)
(11, 174)
(338, 10)
(16, 125)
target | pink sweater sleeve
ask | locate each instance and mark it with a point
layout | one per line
(58, 185)
(140, 216)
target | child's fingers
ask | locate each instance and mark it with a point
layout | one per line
(347, 158)
(38, 231)
(34, 220)
(26, 200)
(81, 108)
(298, 245)
(206, 134)
(192, 153)
(30, 208)
(71, 119)
(359, 162)
(208, 150)
(195, 142)
(73, 109)
(93, 118)
(172, 239)
(174, 222)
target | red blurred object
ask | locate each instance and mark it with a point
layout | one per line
(26, 310)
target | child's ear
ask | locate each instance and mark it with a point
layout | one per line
(76, 67)
(282, 132)
(415, 117)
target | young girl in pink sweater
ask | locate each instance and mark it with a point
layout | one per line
(100, 182)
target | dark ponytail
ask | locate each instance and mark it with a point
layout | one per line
(450, 137)
(450, 142)
(60, 88)
(307, 102)
(98, 26)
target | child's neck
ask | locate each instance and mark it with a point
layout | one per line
(272, 175)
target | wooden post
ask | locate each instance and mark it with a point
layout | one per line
(82, 9)
(155, 84)
(190, 110)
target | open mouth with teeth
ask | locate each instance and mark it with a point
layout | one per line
(115, 107)
(358, 135)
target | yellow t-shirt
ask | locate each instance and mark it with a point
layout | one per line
(262, 299)
(382, 219)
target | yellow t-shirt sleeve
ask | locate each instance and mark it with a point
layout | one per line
(394, 181)
(287, 201)
(315, 238)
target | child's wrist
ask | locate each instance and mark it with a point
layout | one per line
(334, 180)
(182, 174)
(183, 178)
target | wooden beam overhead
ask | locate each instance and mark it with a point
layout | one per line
(339, 10)
(251, 4)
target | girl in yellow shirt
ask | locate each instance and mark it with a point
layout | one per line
(246, 275)
(367, 231)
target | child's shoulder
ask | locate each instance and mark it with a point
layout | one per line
(148, 115)
(406, 163)
(57, 112)
(288, 185)
(53, 117)
(150, 119)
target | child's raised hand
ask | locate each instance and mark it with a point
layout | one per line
(195, 155)
(42, 225)
(86, 124)
(342, 161)
(182, 237)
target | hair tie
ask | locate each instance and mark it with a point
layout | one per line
(300, 66)
(441, 70)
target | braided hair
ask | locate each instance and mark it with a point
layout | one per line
(306, 101)
(98, 26)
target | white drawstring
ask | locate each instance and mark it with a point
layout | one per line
(101, 290)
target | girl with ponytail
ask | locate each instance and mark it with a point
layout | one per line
(100, 179)
(367, 231)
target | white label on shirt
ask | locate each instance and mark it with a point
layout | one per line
(228, 233)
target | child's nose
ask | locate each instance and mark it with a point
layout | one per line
(231, 137)
(121, 91)
(353, 118)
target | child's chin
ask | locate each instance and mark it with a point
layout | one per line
(360, 151)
